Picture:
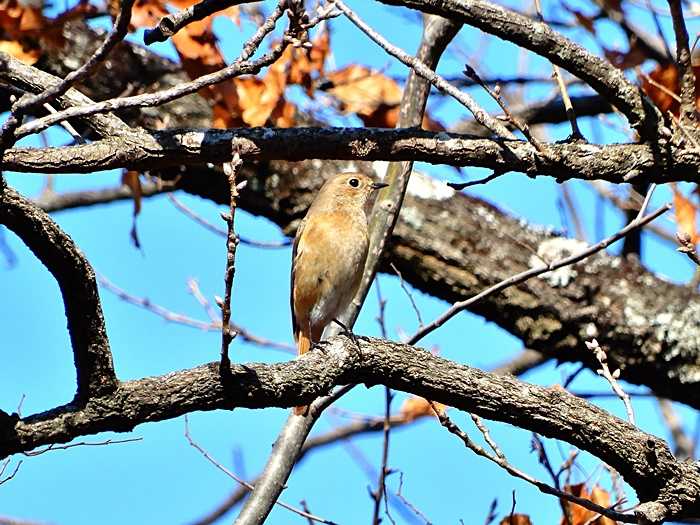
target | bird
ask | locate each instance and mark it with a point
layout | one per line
(328, 256)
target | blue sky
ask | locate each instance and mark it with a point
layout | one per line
(161, 479)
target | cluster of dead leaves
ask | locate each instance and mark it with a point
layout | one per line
(686, 213)
(577, 515)
(25, 31)
(580, 515)
(416, 407)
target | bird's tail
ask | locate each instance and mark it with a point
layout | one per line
(303, 346)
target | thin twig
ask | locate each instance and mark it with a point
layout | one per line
(408, 293)
(242, 482)
(459, 186)
(174, 317)
(27, 103)
(12, 474)
(687, 76)
(527, 274)
(227, 335)
(543, 458)
(410, 505)
(611, 377)
(80, 444)
(380, 492)
(381, 315)
(556, 73)
(428, 74)
(186, 210)
(495, 93)
(573, 212)
(446, 422)
(241, 66)
(491, 515)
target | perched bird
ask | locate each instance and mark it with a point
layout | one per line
(329, 256)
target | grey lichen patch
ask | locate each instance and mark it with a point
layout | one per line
(635, 311)
(539, 328)
(551, 250)
(523, 299)
(412, 216)
(362, 148)
(424, 187)
(678, 330)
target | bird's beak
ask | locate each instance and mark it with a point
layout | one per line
(379, 185)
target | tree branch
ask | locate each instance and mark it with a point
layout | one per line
(171, 24)
(544, 41)
(617, 163)
(662, 483)
(76, 279)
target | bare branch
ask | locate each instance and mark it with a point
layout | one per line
(244, 65)
(242, 482)
(611, 377)
(502, 462)
(227, 335)
(76, 280)
(28, 103)
(171, 24)
(523, 276)
(662, 482)
(424, 71)
(688, 115)
(19, 75)
(175, 147)
(541, 39)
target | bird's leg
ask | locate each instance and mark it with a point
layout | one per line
(320, 345)
(348, 333)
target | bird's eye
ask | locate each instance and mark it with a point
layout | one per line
(354, 183)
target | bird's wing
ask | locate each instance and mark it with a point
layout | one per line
(295, 246)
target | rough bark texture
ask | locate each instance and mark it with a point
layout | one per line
(174, 147)
(661, 481)
(76, 279)
(453, 246)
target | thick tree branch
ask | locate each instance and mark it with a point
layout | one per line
(544, 41)
(664, 485)
(19, 75)
(171, 24)
(76, 279)
(617, 163)
(688, 115)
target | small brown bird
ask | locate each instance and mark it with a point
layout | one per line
(329, 256)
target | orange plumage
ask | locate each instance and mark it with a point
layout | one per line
(328, 256)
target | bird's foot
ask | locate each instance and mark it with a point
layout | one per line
(349, 334)
(320, 345)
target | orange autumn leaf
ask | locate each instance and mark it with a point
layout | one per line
(416, 407)
(27, 54)
(21, 30)
(305, 65)
(372, 96)
(361, 90)
(144, 13)
(516, 519)
(633, 57)
(581, 515)
(686, 214)
(196, 43)
(663, 84)
(131, 179)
